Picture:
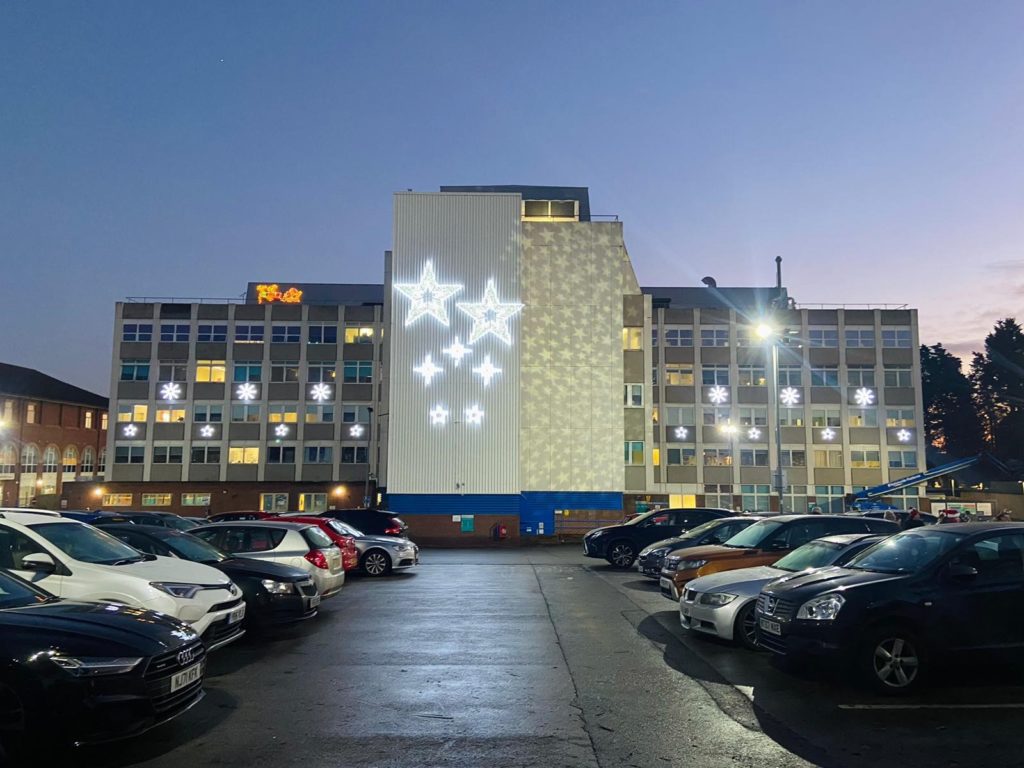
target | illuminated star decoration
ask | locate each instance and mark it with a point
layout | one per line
(789, 396)
(428, 370)
(130, 431)
(828, 434)
(903, 436)
(718, 395)
(456, 351)
(427, 296)
(681, 433)
(753, 433)
(474, 415)
(320, 392)
(206, 431)
(356, 430)
(170, 391)
(864, 396)
(246, 391)
(487, 370)
(281, 430)
(490, 315)
(438, 415)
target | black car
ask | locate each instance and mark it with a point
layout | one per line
(89, 672)
(162, 519)
(620, 544)
(896, 609)
(274, 593)
(901, 516)
(652, 557)
(376, 522)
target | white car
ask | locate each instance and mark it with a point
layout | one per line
(76, 561)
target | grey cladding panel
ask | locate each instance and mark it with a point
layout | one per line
(169, 431)
(206, 390)
(285, 352)
(133, 311)
(678, 354)
(242, 472)
(279, 312)
(633, 310)
(283, 391)
(135, 350)
(822, 317)
(165, 472)
(204, 472)
(212, 312)
(244, 431)
(172, 350)
(133, 390)
(247, 353)
(896, 317)
(211, 350)
(823, 356)
(317, 472)
(356, 393)
(319, 431)
(323, 312)
(321, 353)
(360, 314)
(250, 311)
(279, 472)
(358, 352)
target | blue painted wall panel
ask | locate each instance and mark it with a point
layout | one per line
(453, 504)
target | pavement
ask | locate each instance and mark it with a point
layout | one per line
(541, 657)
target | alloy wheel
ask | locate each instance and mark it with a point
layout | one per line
(376, 563)
(748, 627)
(622, 555)
(896, 662)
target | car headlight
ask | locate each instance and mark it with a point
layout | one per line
(823, 608)
(670, 563)
(716, 599)
(95, 666)
(184, 591)
(689, 565)
(398, 547)
(277, 587)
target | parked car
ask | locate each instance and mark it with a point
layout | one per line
(901, 515)
(762, 543)
(76, 561)
(274, 594)
(83, 672)
(898, 608)
(723, 604)
(163, 519)
(94, 517)
(245, 514)
(342, 539)
(373, 522)
(621, 543)
(652, 557)
(380, 555)
(299, 545)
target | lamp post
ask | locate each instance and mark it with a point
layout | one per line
(370, 464)
(766, 332)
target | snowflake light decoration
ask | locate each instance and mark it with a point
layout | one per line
(490, 315)
(681, 433)
(206, 431)
(864, 396)
(246, 391)
(170, 391)
(753, 433)
(428, 370)
(130, 430)
(457, 350)
(718, 395)
(903, 436)
(438, 415)
(428, 296)
(356, 430)
(474, 415)
(790, 396)
(320, 392)
(281, 430)
(828, 434)
(487, 370)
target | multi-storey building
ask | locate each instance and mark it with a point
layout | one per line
(51, 433)
(510, 367)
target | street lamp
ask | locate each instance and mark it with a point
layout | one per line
(768, 333)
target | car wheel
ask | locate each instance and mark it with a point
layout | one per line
(892, 659)
(376, 562)
(744, 630)
(621, 554)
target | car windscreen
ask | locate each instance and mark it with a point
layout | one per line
(344, 528)
(189, 547)
(87, 544)
(15, 593)
(643, 518)
(754, 535)
(180, 523)
(316, 538)
(815, 554)
(907, 552)
(700, 530)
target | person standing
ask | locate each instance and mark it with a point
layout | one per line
(913, 519)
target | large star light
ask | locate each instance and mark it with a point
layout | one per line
(487, 370)
(789, 396)
(320, 392)
(170, 391)
(490, 315)
(864, 396)
(474, 415)
(438, 415)
(828, 434)
(281, 430)
(753, 433)
(457, 350)
(246, 391)
(206, 431)
(428, 370)
(681, 433)
(427, 296)
(903, 436)
(130, 430)
(718, 395)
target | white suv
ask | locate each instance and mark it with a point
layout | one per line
(76, 561)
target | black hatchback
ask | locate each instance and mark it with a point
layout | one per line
(652, 557)
(375, 522)
(901, 606)
(620, 544)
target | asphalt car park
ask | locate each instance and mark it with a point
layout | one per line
(540, 657)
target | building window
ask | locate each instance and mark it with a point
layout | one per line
(172, 372)
(654, 376)
(905, 498)
(902, 459)
(678, 337)
(134, 370)
(358, 372)
(245, 413)
(716, 416)
(286, 334)
(860, 377)
(796, 498)
(828, 459)
(137, 332)
(129, 454)
(754, 457)
(50, 459)
(101, 465)
(195, 499)
(714, 337)
(900, 417)
(282, 413)
(323, 334)
(69, 465)
(281, 454)
(753, 416)
(825, 417)
(282, 372)
(213, 371)
(863, 417)
(167, 454)
(169, 415)
(31, 413)
(791, 376)
(550, 210)
(319, 414)
(633, 395)
(751, 376)
(632, 338)
(117, 499)
(208, 414)
(718, 496)
(865, 459)
(137, 412)
(88, 460)
(744, 338)
(354, 414)
(829, 497)
(29, 458)
(755, 498)
(156, 499)
(793, 457)
(174, 332)
(823, 337)
(634, 453)
(791, 417)
(248, 334)
(312, 502)
(205, 454)
(247, 372)
(681, 457)
(711, 375)
(87, 419)
(717, 457)
(896, 338)
(249, 454)
(8, 458)
(654, 336)
(679, 375)
(103, 422)
(354, 454)
(678, 415)
(318, 454)
(826, 376)
(358, 334)
(324, 372)
(863, 338)
(212, 333)
(897, 376)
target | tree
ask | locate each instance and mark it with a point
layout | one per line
(950, 415)
(998, 379)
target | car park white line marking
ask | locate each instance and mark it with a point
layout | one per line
(933, 706)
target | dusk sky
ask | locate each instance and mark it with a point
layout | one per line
(183, 149)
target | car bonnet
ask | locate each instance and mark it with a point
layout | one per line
(173, 569)
(745, 582)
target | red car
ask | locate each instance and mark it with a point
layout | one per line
(245, 514)
(347, 544)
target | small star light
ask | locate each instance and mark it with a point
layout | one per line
(428, 370)
(130, 430)
(487, 370)
(490, 315)
(718, 395)
(170, 391)
(681, 433)
(828, 434)
(864, 396)
(246, 391)
(356, 430)
(320, 392)
(438, 415)
(474, 415)
(206, 431)
(281, 430)
(903, 436)
(789, 396)
(753, 433)
(428, 296)
(456, 351)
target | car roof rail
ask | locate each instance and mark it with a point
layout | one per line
(4, 511)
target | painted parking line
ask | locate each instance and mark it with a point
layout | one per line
(1010, 705)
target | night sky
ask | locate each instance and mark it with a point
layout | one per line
(183, 149)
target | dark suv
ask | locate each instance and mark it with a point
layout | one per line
(898, 607)
(377, 522)
(620, 544)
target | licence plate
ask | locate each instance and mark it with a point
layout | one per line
(186, 677)
(667, 585)
(684, 610)
(771, 627)
(314, 601)
(237, 615)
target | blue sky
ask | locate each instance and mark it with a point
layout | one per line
(182, 149)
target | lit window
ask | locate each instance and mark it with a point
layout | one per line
(69, 465)
(355, 454)
(212, 333)
(167, 454)
(825, 417)
(896, 338)
(117, 499)
(278, 413)
(174, 332)
(358, 334)
(169, 415)
(31, 413)
(319, 414)
(717, 457)
(865, 459)
(900, 417)
(323, 334)
(550, 210)
(137, 332)
(714, 337)
(88, 420)
(156, 499)
(134, 370)
(863, 417)
(88, 460)
(632, 338)
(751, 376)
(634, 453)
(195, 499)
(242, 412)
(214, 371)
(243, 455)
(249, 334)
(679, 375)
(633, 395)
(103, 422)
(137, 412)
(29, 458)
(286, 334)
(828, 459)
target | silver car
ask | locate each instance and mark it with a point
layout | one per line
(722, 604)
(380, 555)
(296, 544)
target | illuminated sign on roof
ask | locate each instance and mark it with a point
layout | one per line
(268, 293)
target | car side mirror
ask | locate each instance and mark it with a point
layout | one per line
(962, 572)
(40, 562)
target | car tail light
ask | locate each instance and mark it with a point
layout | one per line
(318, 558)
(393, 530)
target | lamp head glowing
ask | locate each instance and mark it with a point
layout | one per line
(764, 331)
